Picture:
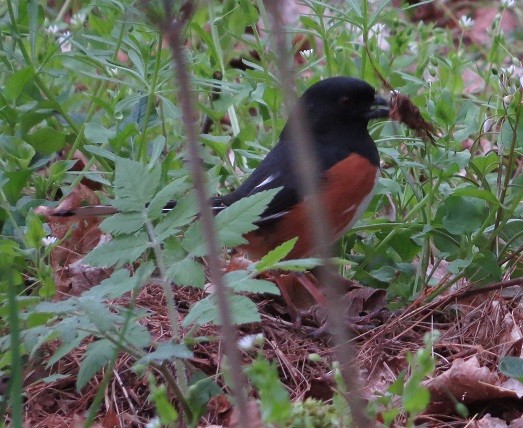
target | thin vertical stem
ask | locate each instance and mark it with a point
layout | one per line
(308, 171)
(173, 29)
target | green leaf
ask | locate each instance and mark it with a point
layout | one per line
(162, 402)
(181, 215)
(487, 163)
(202, 388)
(97, 355)
(464, 214)
(66, 348)
(384, 273)
(274, 398)
(134, 184)
(445, 110)
(119, 251)
(46, 140)
(240, 281)
(98, 134)
(193, 241)
(17, 83)
(242, 309)
(167, 351)
(219, 143)
(16, 181)
(120, 282)
(165, 195)
(484, 268)
(138, 336)
(276, 255)
(34, 232)
(121, 223)
(387, 186)
(98, 313)
(237, 219)
(512, 367)
(457, 266)
(187, 272)
(477, 193)
(299, 265)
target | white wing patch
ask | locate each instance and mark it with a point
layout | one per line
(268, 180)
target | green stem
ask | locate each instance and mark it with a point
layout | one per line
(16, 378)
(142, 149)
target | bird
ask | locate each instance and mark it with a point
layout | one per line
(337, 111)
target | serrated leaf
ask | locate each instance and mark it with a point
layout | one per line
(120, 282)
(298, 265)
(57, 308)
(98, 314)
(119, 251)
(35, 337)
(120, 223)
(167, 351)
(193, 241)
(97, 355)
(66, 348)
(98, 134)
(181, 215)
(276, 255)
(187, 272)
(242, 309)
(240, 281)
(239, 218)
(165, 195)
(55, 377)
(138, 336)
(134, 184)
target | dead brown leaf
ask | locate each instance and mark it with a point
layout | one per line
(78, 237)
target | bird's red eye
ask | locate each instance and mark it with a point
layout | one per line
(344, 101)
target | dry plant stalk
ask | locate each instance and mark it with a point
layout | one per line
(172, 27)
(307, 170)
(403, 110)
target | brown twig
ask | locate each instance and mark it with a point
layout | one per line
(308, 172)
(173, 26)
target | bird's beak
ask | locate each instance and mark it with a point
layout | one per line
(379, 108)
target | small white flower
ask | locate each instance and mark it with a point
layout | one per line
(112, 71)
(63, 41)
(488, 124)
(466, 22)
(247, 342)
(78, 19)
(381, 33)
(307, 53)
(153, 423)
(508, 3)
(508, 71)
(52, 29)
(49, 240)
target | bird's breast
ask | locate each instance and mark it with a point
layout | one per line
(346, 192)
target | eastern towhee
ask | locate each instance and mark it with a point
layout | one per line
(337, 111)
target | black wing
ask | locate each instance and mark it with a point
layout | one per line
(274, 171)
